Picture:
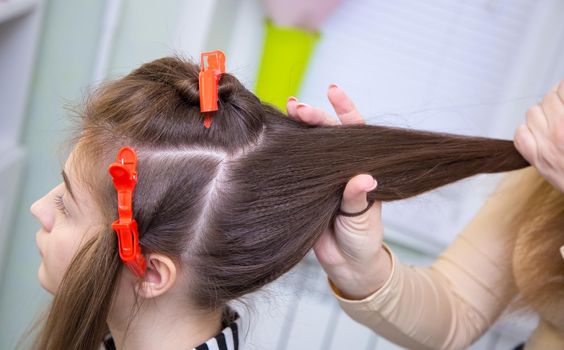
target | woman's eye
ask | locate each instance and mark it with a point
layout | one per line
(60, 204)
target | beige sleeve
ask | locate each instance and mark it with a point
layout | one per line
(452, 303)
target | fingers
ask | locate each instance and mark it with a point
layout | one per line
(553, 107)
(354, 197)
(292, 107)
(538, 138)
(314, 116)
(536, 119)
(559, 89)
(327, 250)
(541, 139)
(359, 236)
(308, 114)
(526, 144)
(535, 134)
(343, 105)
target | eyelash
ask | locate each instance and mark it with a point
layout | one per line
(60, 204)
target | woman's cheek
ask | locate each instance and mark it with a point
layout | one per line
(56, 262)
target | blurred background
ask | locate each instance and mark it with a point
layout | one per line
(469, 67)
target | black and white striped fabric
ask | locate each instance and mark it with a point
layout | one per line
(227, 339)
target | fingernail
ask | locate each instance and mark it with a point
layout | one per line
(302, 105)
(373, 187)
(292, 98)
(333, 85)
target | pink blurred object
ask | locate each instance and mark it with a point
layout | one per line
(308, 15)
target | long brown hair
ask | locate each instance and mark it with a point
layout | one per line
(538, 265)
(241, 203)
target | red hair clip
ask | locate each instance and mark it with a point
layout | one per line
(124, 174)
(209, 80)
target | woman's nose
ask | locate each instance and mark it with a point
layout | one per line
(43, 214)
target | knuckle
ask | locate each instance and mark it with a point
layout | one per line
(547, 155)
(533, 113)
(551, 103)
(520, 135)
(557, 135)
(547, 99)
(542, 161)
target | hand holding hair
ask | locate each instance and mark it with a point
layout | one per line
(541, 138)
(351, 251)
(237, 203)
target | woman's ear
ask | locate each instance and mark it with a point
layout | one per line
(159, 277)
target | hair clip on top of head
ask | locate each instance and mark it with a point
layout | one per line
(124, 174)
(212, 65)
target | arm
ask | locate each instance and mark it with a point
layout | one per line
(452, 303)
(446, 306)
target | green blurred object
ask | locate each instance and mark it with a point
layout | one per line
(286, 53)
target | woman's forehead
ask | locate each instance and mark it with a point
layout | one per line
(74, 182)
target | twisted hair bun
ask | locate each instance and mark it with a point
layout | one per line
(186, 84)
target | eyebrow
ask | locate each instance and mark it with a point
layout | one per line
(67, 184)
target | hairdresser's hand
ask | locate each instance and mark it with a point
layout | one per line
(342, 104)
(351, 251)
(541, 139)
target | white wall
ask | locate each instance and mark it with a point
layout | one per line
(66, 66)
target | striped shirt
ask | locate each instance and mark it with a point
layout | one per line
(227, 339)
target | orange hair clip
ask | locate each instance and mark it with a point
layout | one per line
(124, 174)
(209, 80)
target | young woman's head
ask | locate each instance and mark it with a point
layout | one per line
(69, 216)
(221, 211)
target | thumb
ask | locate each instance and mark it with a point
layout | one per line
(359, 237)
(354, 196)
